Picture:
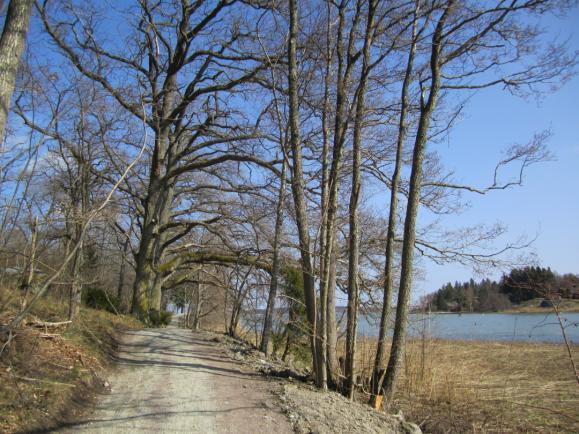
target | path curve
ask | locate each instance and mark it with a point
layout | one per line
(172, 380)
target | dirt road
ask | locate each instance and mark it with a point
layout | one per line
(171, 380)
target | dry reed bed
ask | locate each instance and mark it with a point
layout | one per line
(470, 386)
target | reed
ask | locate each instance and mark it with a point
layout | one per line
(468, 386)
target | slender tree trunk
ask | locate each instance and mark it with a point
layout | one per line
(332, 329)
(121, 283)
(354, 232)
(300, 201)
(401, 324)
(81, 211)
(29, 270)
(345, 65)
(76, 286)
(190, 309)
(11, 46)
(379, 360)
(268, 320)
(197, 303)
(324, 286)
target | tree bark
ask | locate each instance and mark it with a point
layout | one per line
(300, 201)
(11, 47)
(379, 360)
(332, 329)
(354, 233)
(268, 320)
(121, 282)
(426, 110)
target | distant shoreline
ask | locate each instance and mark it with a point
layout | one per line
(532, 306)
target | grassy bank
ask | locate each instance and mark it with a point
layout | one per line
(465, 386)
(534, 306)
(46, 375)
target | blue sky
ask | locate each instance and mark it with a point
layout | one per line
(548, 202)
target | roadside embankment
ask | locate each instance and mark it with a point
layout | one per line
(50, 372)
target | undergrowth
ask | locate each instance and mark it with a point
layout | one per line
(47, 374)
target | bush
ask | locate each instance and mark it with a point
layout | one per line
(159, 319)
(97, 298)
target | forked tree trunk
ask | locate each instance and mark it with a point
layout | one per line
(378, 374)
(426, 110)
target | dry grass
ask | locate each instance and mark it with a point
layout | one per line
(478, 387)
(41, 378)
(465, 386)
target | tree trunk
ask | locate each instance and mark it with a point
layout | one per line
(332, 329)
(29, 270)
(197, 311)
(354, 232)
(426, 110)
(76, 286)
(300, 201)
(379, 371)
(325, 316)
(11, 46)
(147, 285)
(121, 282)
(160, 192)
(268, 320)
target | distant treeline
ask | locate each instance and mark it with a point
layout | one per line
(520, 285)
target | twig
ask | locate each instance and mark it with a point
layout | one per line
(41, 381)
(44, 324)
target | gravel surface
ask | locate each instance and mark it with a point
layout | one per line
(314, 412)
(175, 381)
(172, 380)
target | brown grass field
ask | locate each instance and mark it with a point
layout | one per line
(491, 387)
(450, 386)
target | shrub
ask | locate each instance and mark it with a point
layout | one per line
(97, 298)
(160, 318)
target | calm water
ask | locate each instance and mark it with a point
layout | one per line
(530, 327)
(527, 327)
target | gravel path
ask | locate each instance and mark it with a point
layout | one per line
(172, 380)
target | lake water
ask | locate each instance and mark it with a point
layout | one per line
(529, 327)
(526, 327)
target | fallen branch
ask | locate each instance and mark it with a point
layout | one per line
(46, 324)
(49, 335)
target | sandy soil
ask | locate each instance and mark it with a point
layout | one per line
(171, 380)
